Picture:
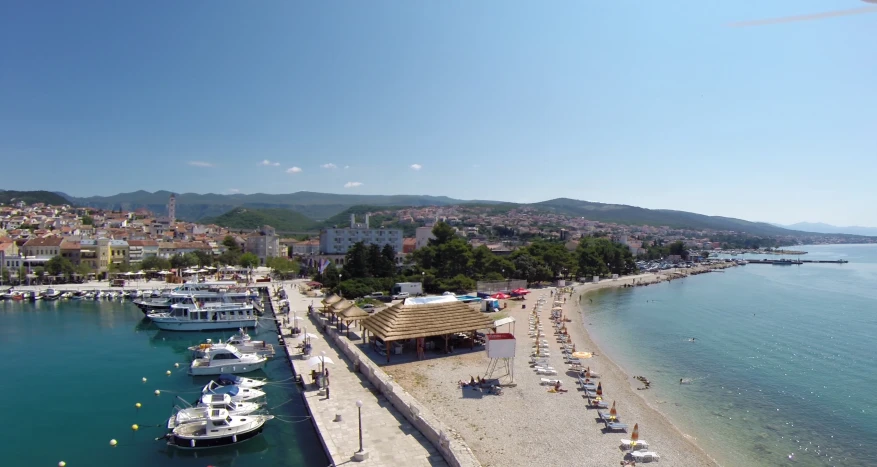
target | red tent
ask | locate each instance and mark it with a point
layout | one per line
(314, 284)
(500, 296)
(520, 291)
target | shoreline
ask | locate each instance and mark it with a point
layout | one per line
(527, 421)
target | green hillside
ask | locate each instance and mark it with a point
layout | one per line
(31, 197)
(283, 220)
(375, 220)
(632, 215)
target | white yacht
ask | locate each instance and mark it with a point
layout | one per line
(226, 360)
(235, 380)
(206, 292)
(237, 393)
(205, 404)
(241, 341)
(218, 429)
(192, 315)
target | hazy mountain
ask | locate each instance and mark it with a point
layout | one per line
(820, 227)
(283, 220)
(317, 206)
(31, 197)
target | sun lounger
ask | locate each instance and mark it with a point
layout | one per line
(641, 456)
(598, 404)
(616, 426)
(546, 371)
(546, 381)
(606, 417)
(641, 444)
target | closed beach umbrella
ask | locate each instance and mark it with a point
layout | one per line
(612, 412)
(599, 389)
(583, 355)
(634, 437)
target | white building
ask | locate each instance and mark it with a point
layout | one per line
(338, 241)
(422, 236)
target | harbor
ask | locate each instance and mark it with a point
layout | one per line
(784, 262)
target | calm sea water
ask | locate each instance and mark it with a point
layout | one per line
(783, 368)
(73, 373)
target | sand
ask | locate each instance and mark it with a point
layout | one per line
(527, 424)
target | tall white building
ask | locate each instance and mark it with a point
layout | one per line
(338, 241)
(422, 236)
(172, 208)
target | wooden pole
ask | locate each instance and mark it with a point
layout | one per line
(388, 350)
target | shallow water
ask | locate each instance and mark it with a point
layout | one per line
(782, 369)
(77, 369)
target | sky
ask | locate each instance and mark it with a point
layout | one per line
(671, 105)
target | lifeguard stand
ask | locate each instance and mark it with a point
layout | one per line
(501, 352)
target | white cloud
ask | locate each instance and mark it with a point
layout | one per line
(200, 164)
(346, 166)
(269, 163)
(234, 190)
(293, 170)
(352, 184)
(329, 166)
(416, 166)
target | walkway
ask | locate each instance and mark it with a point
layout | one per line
(387, 436)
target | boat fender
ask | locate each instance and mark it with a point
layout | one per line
(234, 438)
(192, 443)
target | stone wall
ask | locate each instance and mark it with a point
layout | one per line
(452, 447)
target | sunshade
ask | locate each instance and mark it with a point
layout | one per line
(319, 360)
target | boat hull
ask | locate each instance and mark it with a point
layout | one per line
(179, 325)
(185, 442)
(231, 368)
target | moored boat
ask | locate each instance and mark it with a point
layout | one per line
(218, 429)
(226, 360)
(237, 393)
(195, 316)
(207, 403)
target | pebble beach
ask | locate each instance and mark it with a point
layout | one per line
(527, 423)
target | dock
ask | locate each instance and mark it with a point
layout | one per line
(389, 437)
(795, 262)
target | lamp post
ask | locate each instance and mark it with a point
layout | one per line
(359, 410)
(323, 362)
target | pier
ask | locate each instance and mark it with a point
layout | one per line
(389, 436)
(795, 262)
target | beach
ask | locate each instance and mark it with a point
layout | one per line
(527, 423)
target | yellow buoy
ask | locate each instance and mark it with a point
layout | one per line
(135, 427)
(138, 405)
(62, 464)
(157, 392)
(113, 443)
(168, 372)
(144, 380)
(177, 365)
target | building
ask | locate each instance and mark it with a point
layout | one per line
(338, 241)
(138, 250)
(95, 254)
(46, 247)
(265, 244)
(169, 249)
(422, 236)
(172, 208)
(306, 248)
(119, 252)
(409, 245)
(70, 249)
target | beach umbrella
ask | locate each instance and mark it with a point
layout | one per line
(311, 336)
(599, 389)
(612, 412)
(319, 360)
(520, 291)
(634, 437)
(500, 296)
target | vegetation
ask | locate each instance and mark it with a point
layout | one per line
(155, 263)
(232, 253)
(248, 260)
(375, 219)
(658, 250)
(32, 197)
(602, 257)
(283, 220)
(87, 220)
(283, 268)
(59, 265)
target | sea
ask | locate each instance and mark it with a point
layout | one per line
(778, 362)
(75, 370)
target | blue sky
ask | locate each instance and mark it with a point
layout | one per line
(654, 104)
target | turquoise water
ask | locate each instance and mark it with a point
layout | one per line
(73, 373)
(783, 368)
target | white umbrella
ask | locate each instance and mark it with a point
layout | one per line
(319, 360)
(129, 273)
(189, 271)
(139, 273)
(311, 336)
(164, 273)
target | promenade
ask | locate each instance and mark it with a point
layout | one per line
(388, 438)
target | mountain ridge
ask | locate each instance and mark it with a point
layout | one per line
(821, 227)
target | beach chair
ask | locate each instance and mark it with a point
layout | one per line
(548, 382)
(546, 371)
(598, 404)
(616, 426)
(640, 445)
(645, 456)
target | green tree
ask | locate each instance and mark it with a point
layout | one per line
(203, 258)
(230, 244)
(87, 220)
(155, 263)
(283, 267)
(59, 265)
(182, 261)
(387, 266)
(248, 260)
(83, 269)
(356, 261)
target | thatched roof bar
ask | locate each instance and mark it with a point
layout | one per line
(401, 321)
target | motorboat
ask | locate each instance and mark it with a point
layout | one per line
(51, 294)
(226, 360)
(217, 429)
(240, 341)
(198, 316)
(207, 292)
(208, 402)
(237, 393)
(235, 380)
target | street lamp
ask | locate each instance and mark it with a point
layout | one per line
(323, 362)
(359, 410)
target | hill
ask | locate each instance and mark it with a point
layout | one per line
(387, 221)
(31, 197)
(832, 229)
(283, 220)
(632, 215)
(319, 206)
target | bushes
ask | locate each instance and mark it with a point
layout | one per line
(355, 288)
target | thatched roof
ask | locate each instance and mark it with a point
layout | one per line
(331, 300)
(400, 321)
(341, 306)
(353, 313)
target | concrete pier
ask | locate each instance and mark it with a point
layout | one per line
(388, 438)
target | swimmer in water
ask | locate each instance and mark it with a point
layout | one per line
(693, 339)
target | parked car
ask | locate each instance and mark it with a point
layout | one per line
(401, 296)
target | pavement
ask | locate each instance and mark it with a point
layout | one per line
(388, 438)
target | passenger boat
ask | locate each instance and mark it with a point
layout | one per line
(226, 360)
(197, 316)
(205, 404)
(207, 292)
(237, 393)
(218, 429)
